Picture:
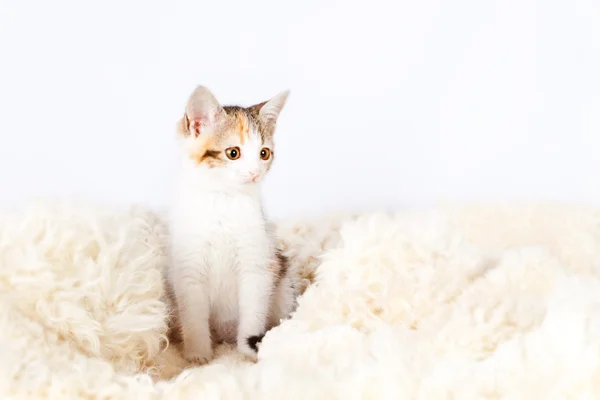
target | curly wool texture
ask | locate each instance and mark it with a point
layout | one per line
(470, 302)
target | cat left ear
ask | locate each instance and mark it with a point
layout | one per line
(269, 110)
(202, 112)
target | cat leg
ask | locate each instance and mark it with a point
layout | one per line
(191, 291)
(283, 302)
(255, 291)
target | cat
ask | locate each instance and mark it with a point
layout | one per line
(228, 281)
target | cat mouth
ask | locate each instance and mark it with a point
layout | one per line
(252, 178)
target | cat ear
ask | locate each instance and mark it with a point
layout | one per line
(269, 110)
(202, 111)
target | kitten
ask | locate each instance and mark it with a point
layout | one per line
(228, 281)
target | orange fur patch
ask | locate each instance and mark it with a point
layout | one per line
(182, 127)
(242, 126)
(207, 152)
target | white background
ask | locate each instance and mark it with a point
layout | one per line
(393, 103)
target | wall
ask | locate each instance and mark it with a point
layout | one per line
(393, 103)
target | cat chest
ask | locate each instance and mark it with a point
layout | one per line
(225, 232)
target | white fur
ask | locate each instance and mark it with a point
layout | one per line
(222, 255)
(465, 303)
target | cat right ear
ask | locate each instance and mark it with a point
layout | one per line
(201, 113)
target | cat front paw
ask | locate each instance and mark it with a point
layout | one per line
(198, 356)
(249, 346)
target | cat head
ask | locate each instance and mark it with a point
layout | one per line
(232, 144)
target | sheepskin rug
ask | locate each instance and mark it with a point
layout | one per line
(448, 303)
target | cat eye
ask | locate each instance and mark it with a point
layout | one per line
(233, 153)
(265, 154)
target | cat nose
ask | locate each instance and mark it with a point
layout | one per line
(253, 176)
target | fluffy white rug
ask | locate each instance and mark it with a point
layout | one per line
(474, 302)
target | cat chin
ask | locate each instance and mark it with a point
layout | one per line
(243, 183)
